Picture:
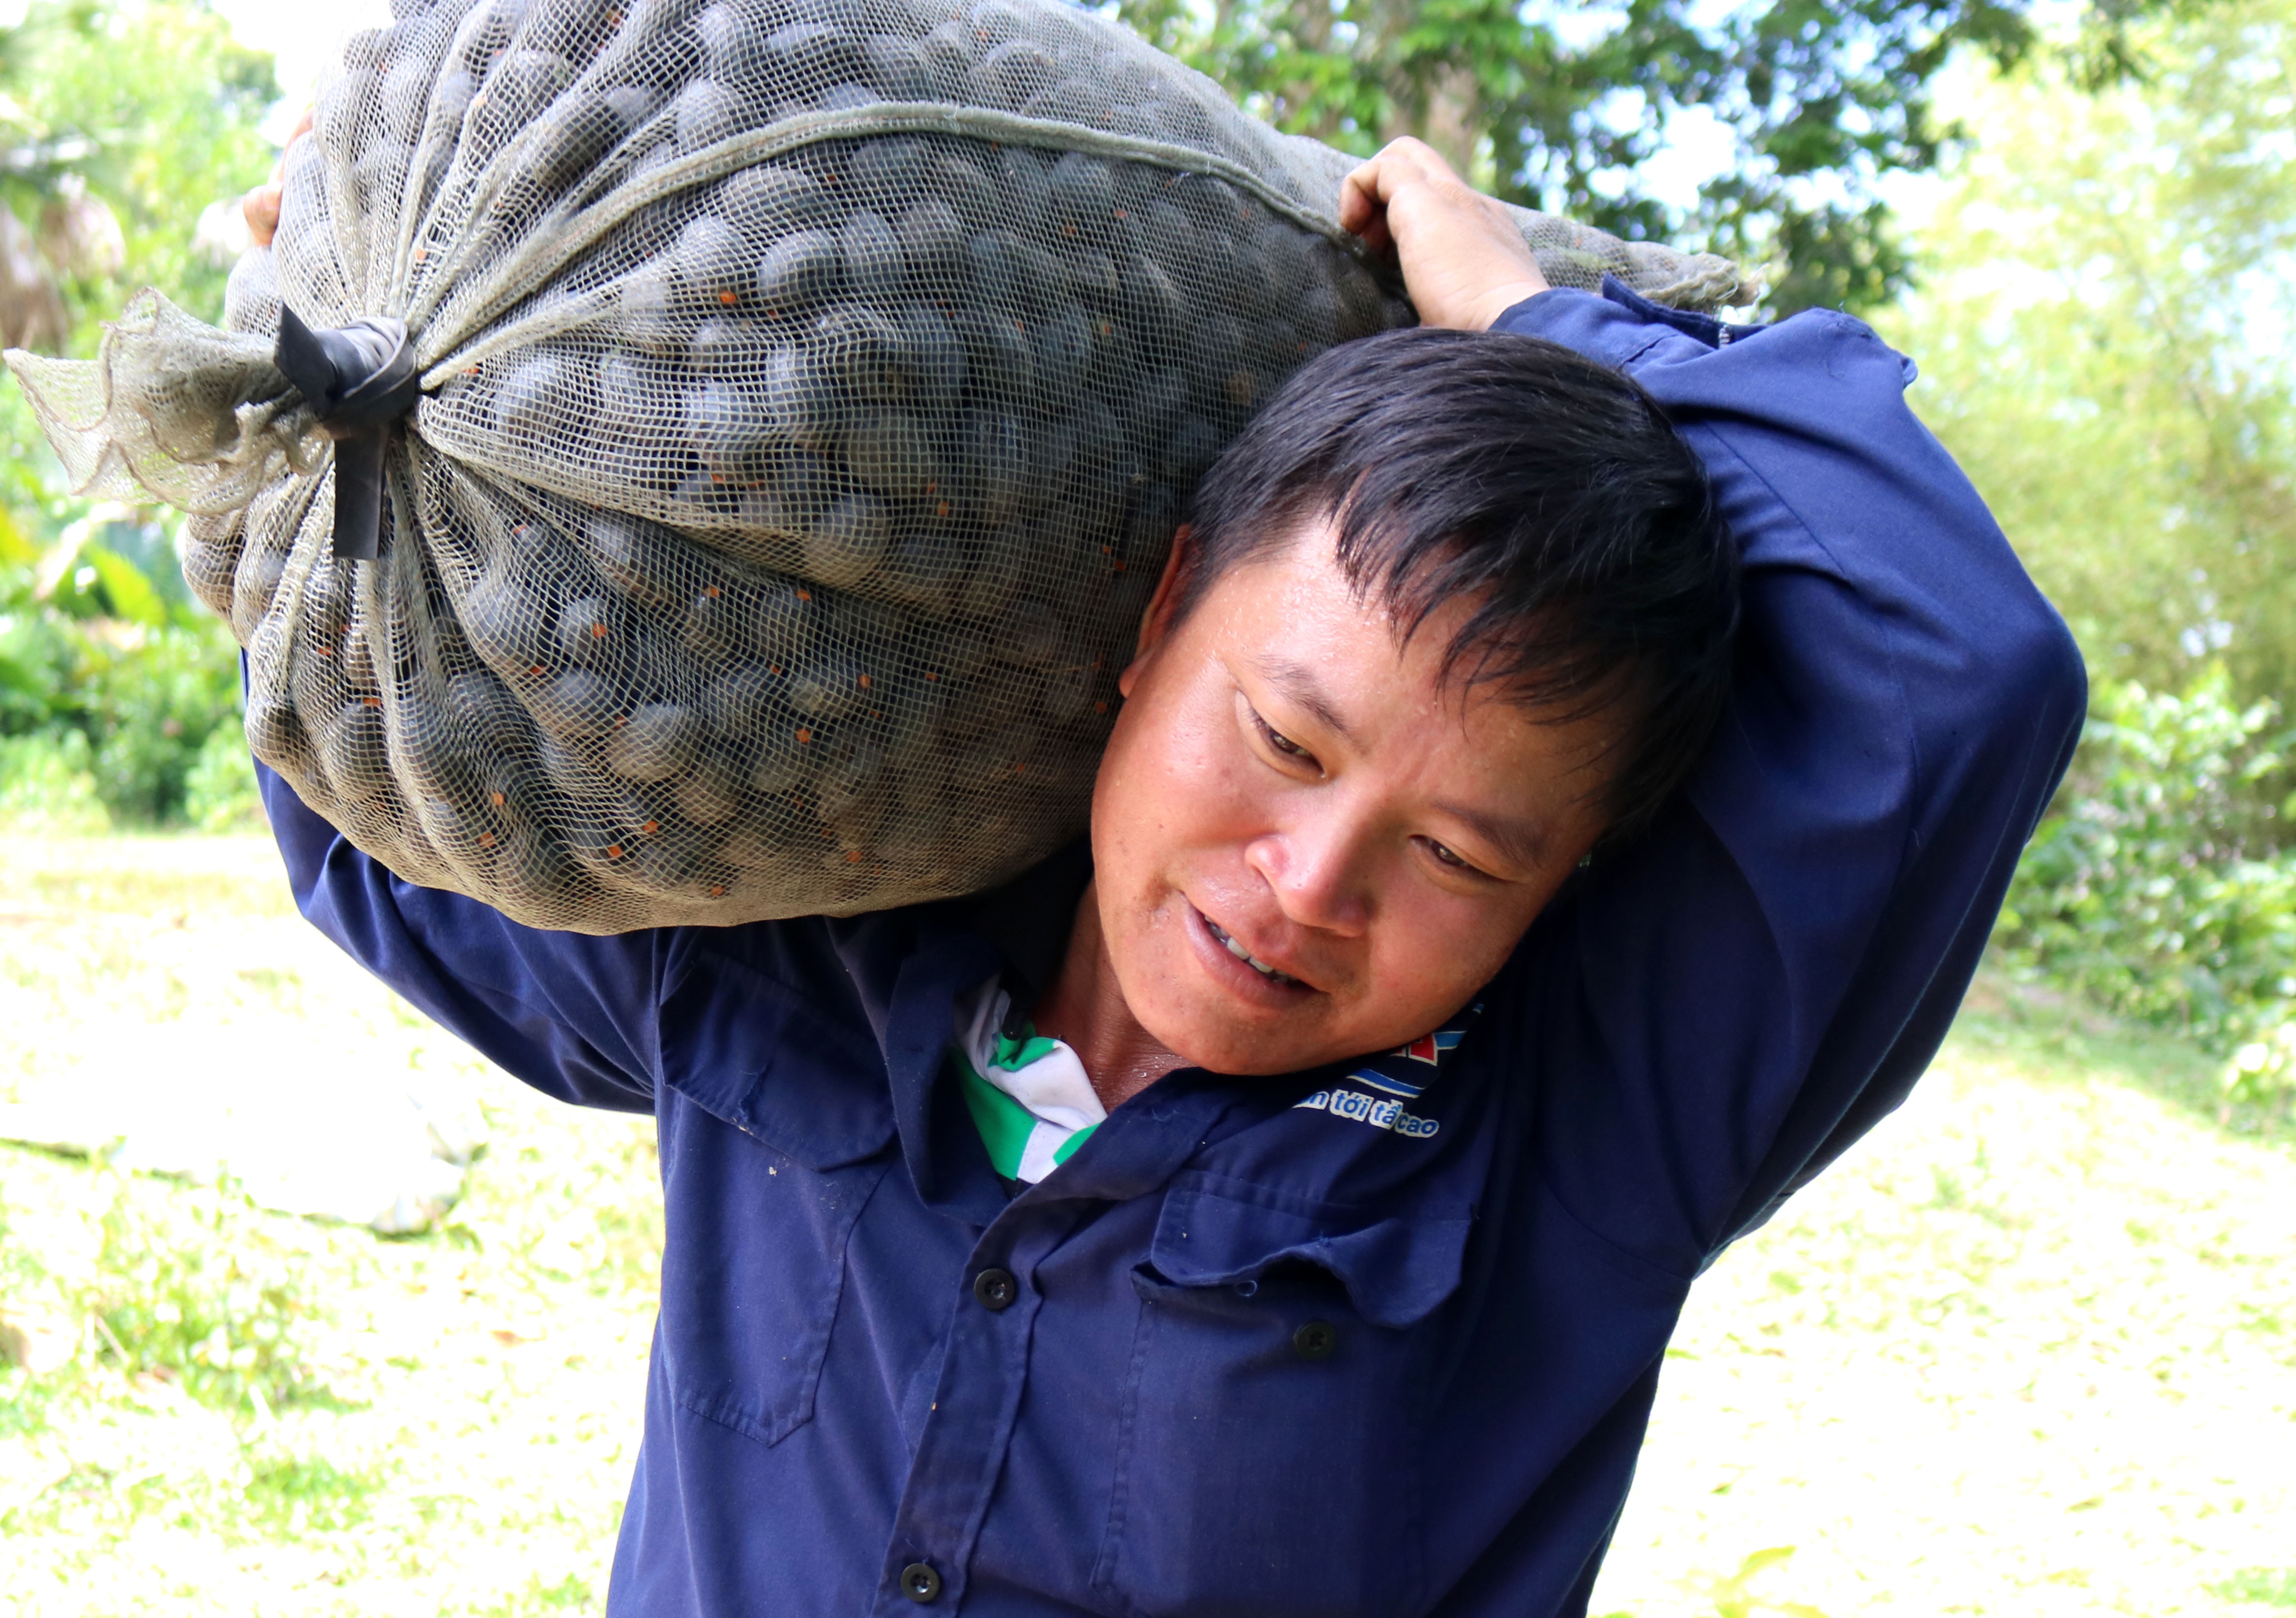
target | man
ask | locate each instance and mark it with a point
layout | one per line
(1569, 775)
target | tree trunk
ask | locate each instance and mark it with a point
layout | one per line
(1452, 121)
(1438, 101)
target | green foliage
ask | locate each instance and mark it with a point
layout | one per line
(1735, 1597)
(204, 1295)
(570, 1593)
(290, 1495)
(19, 1277)
(102, 653)
(1565, 107)
(154, 702)
(2103, 335)
(2264, 1586)
(122, 123)
(219, 794)
(104, 656)
(46, 785)
(23, 1401)
(151, 110)
(2152, 892)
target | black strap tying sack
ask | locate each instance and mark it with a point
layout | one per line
(361, 379)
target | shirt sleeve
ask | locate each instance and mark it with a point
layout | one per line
(573, 1016)
(1719, 1011)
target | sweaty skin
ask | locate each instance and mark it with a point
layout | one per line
(1289, 778)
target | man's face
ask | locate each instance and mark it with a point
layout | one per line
(1288, 780)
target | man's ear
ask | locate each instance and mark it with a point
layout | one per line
(1156, 622)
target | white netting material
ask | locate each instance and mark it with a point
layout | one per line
(812, 389)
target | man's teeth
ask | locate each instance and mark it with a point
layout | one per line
(1245, 955)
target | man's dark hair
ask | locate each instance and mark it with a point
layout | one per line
(1509, 471)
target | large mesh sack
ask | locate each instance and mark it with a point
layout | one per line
(809, 392)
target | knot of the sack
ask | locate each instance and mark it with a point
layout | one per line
(360, 378)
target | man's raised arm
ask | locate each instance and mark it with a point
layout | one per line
(1722, 1008)
(1771, 973)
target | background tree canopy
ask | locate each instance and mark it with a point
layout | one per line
(119, 127)
(2105, 331)
(1811, 104)
(2105, 323)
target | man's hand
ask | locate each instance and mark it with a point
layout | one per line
(1464, 261)
(261, 206)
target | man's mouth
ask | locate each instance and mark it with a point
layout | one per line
(1245, 955)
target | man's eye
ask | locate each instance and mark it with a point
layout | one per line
(1452, 860)
(1278, 740)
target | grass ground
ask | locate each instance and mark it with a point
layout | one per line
(442, 1425)
(2029, 1350)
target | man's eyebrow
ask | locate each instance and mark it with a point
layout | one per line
(1522, 843)
(1298, 685)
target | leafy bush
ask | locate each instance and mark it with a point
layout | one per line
(219, 794)
(125, 125)
(153, 705)
(151, 111)
(112, 679)
(45, 786)
(2154, 891)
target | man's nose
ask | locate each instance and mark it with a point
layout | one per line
(1320, 872)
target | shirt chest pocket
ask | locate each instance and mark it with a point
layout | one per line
(1269, 1451)
(775, 1139)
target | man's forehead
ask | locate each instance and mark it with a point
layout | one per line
(1297, 583)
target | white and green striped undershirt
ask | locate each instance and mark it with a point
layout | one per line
(1029, 1096)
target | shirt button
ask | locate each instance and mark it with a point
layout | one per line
(996, 1289)
(1315, 1340)
(919, 1582)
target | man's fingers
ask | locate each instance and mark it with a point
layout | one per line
(1363, 202)
(260, 208)
(1373, 181)
(1364, 197)
(1403, 167)
(1464, 261)
(1358, 200)
(1370, 228)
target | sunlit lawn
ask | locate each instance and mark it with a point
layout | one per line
(2030, 1350)
(465, 1405)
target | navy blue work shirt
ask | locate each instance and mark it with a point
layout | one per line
(1240, 1355)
